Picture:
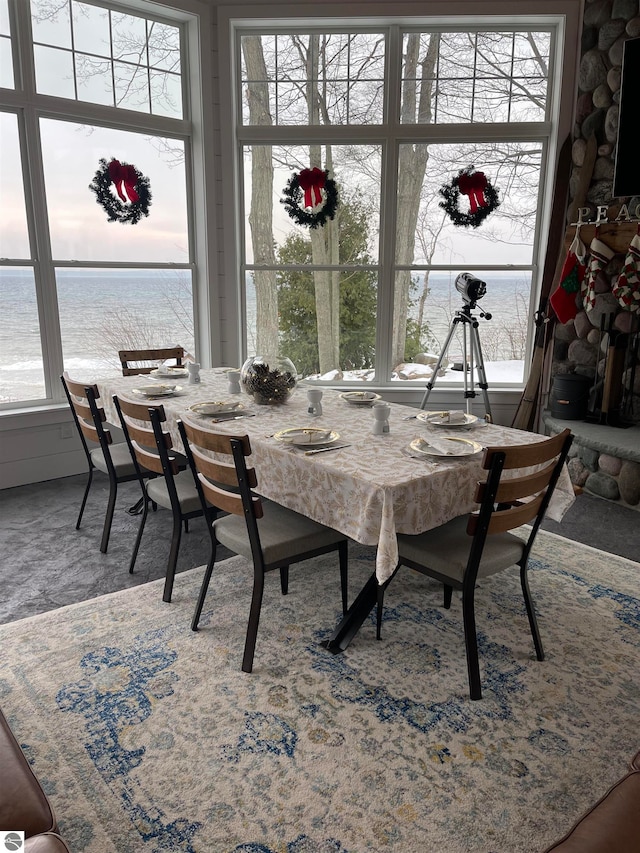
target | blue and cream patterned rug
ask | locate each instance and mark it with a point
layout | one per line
(148, 737)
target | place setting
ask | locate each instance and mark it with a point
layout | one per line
(219, 411)
(453, 419)
(151, 392)
(360, 398)
(310, 440)
(439, 447)
(164, 372)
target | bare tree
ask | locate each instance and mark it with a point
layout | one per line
(261, 213)
(412, 164)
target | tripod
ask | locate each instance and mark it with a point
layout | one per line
(470, 344)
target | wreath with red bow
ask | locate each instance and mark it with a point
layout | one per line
(319, 193)
(133, 195)
(483, 197)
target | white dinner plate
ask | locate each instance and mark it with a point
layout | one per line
(448, 447)
(451, 420)
(216, 407)
(157, 390)
(360, 398)
(169, 372)
(306, 436)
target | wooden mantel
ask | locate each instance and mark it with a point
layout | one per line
(616, 235)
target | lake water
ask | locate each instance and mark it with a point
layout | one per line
(101, 311)
(154, 308)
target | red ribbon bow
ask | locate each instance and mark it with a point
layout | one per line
(312, 180)
(124, 174)
(474, 186)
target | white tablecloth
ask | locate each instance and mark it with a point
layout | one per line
(370, 490)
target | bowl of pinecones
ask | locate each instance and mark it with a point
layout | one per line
(268, 381)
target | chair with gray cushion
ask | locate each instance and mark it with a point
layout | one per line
(268, 534)
(111, 459)
(151, 450)
(476, 546)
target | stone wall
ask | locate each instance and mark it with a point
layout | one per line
(579, 345)
(605, 475)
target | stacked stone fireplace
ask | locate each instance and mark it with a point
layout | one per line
(605, 459)
(606, 452)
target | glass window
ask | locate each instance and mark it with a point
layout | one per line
(14, 237)
(6, 53)
(323, 318)
(21, 363)
(279, 72)
(102, 56)
(121, 309)
(483, 77)
(91, 286)
(79, 227)
(403, 229)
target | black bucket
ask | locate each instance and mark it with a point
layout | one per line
(570, 396)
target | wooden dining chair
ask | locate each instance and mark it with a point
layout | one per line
(479, 545)
(151, 451)
(133, 360)
(270, 535)
(113, 459)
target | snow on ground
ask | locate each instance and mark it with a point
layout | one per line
(498, 373)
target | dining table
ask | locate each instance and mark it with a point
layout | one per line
(368, 486)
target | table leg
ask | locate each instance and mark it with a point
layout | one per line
(354, 617)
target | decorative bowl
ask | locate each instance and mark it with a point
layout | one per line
(269, 381)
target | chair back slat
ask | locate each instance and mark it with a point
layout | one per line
(526, 455)
(91, 433)
(83, 411)
(136, 423)
(143, 435)
(88, 415)
(139, 411)
(78, 389)
(507, 503)
(130, 360)
(215, 442)
(222, 473)
(148, 458)
(220, 481)
(227, 501)
(149, 444)
(507, 519)
(516, 488)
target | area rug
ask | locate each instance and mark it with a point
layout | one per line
(148, 737)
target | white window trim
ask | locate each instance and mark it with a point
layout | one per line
(565, 16)
(30, 107)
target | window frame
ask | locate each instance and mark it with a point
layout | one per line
(563, 19)
(193, 18)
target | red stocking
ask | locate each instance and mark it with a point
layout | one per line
(599, 256)
(627, 288)
(563, 298)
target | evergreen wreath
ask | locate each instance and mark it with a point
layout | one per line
(133, 192)
(315, 183)
(483, 197)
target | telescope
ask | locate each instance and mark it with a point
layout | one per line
(470, 287)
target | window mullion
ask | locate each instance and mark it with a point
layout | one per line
(388, 198)
(44, 272)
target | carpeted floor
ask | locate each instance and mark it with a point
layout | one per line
(47, 563)
(148, 737)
